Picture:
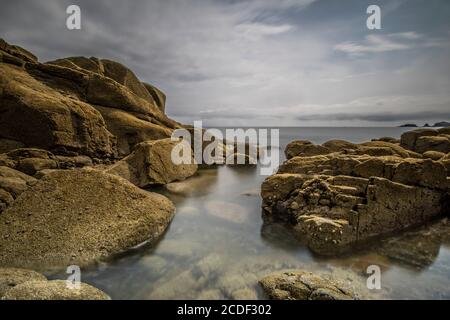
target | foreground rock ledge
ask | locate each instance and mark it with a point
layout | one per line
(23, 284)
(53, 290)
(77, 217)
(302, 285)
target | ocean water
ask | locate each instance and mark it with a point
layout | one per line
(218, 247)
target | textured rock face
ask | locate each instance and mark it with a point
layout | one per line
(53, 290)
(422, 140)
(77, 217)
(71, 103)
(304, 148)
(151, 164)
(302, 285)
(63, 123)
(12, 184)
(11, 277)
(339, 199)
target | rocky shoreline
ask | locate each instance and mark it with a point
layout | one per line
(81, 137)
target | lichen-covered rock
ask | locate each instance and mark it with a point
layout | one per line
(31, 161)
(37, 115)
(433, 143)
(77, 217)
(131, 130)
(65, 105)
(304, 148)
(11, 277)
(54, 290)
(302, 285)
(433, 155)
(336, 200)
(339, 145)
(151, 164)
(408, 139)
(158, 96)
(333, 212)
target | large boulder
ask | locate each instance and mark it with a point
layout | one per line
(331, 213)
(37, 115)
(347, 196)
(151, 164)
(408, 139)
(11, 277)
(303, 285)
(77, 217)
(69, 101)
(433, 143)
(54, 290)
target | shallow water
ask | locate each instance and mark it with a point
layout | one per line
(217, 246)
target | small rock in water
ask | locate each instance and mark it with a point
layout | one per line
(302, 285)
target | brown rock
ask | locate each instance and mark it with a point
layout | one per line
(54, 290)
(339, 145)
(304, 148)
(433, 155)
(7, 145)
(130, 130)
(433, 143)
(62, 122)
(11, 277)
(158, 96)
(302, 285)
(77, 217)
(408, 139)
(151, 164)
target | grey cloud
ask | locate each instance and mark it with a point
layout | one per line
(254, 59)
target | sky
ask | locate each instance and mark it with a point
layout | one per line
(261, 62)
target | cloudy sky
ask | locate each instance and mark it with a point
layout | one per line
(261, 62)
